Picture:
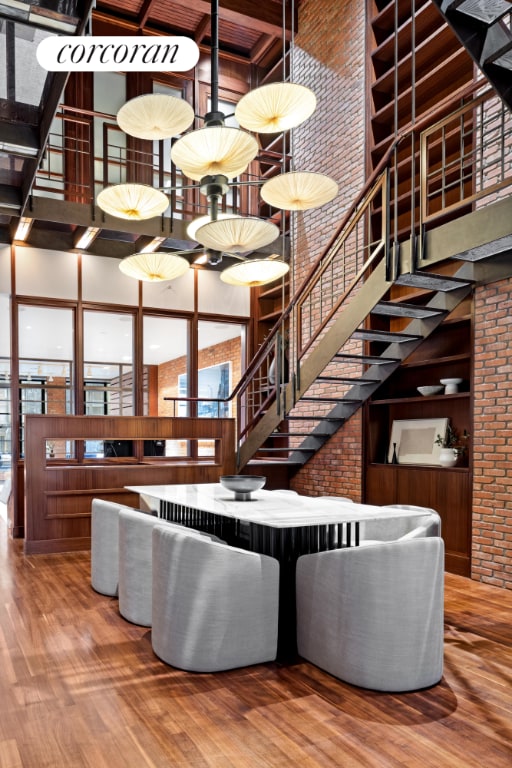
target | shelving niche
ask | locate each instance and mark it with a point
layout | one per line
(447, 353)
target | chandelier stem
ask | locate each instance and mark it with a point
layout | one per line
(214, 23)
(214, 207)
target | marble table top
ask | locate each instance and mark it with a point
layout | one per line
(277, 509)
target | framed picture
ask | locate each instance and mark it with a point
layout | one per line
(415, 440)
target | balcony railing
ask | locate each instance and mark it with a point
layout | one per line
(87, 151)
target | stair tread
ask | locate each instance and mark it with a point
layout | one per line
(339, 419)
(301, 434)
(313, 399)
(348, 380)
(370, 359)
(431, 281)
(286, 449)
(375, 335)
(396, 309)
(479, 9)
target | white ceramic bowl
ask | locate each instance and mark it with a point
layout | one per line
(243, 485)
(433, 390)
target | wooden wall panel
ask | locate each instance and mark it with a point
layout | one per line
(58, 495)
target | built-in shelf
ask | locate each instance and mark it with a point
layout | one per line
(420, 398)
(425, 467)
(270, 316)
(438, 361)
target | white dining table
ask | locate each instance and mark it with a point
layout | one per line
(276, 509)
(276, 523)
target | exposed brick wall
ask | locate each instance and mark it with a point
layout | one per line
(168, 372)
(336, 469)
(329, 57)
(492, 439)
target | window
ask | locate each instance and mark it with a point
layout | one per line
(221, 356)
(46, 364)
(108, 364)
(166, 358)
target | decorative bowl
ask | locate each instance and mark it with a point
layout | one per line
(451, 386)
(243, 485)
(432, 390)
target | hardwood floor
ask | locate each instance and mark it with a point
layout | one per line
(80, 686)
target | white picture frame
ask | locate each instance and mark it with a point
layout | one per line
(415, 440)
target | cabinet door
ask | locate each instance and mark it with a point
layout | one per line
(445, 490)
(448, 492)
(381, 484)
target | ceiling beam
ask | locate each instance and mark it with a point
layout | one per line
(265, 17)
(144, 13)
(82, 215)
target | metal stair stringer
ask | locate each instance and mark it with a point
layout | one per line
(436, 308)
(351, 317)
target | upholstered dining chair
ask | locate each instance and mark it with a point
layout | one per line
(136, 563)
(427, 524)
(373, 616)
(105, 546)
(215, 607)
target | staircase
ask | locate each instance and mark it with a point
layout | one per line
(484, 28)
(369, 302)
(365, 307)
(331, 391)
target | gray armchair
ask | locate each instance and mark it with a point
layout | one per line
(215, 607)
(428, 524)
(136, 563)
(105, 546)
(373, 616)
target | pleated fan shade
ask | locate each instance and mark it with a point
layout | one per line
(240, 234)
(201, 220)
(154, 267)
(275, 107)
(254, 272)
(132, 201)
(214, 150)
(299, 190)
(155, 116)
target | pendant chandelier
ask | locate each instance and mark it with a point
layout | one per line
(213, 156)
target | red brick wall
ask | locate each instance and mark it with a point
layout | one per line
(492, 439)
(168, 372)
(336, 469)
(329, 57)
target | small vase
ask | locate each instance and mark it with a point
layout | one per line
(394, 460)
(447, 457)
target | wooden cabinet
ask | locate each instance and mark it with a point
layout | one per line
(447, 353)
(448, 491)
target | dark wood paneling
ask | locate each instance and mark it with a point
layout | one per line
(58, 495)
(448, 491)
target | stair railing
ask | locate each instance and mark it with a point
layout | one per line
(474, 140)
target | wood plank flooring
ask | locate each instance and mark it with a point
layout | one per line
(80, 686)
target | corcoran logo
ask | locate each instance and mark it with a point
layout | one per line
(116, 54)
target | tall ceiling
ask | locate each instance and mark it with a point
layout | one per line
(29, 97)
